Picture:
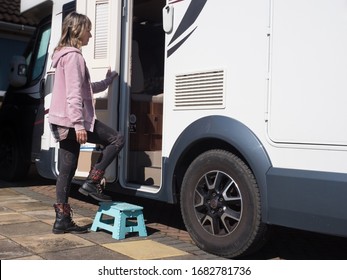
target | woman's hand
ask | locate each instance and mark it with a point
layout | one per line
(81, 136)
(111, 74)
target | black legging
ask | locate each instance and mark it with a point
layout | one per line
(69, 151)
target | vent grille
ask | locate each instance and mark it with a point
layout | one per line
(203, 90)
(101, 29)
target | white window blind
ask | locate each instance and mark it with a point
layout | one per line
(101, 29)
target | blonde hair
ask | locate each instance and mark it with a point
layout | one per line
(74, 25)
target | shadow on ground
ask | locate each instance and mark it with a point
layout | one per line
(282, 243)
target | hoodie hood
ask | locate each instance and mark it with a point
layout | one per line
(60, 53)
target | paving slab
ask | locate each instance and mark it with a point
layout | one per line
(6, 199)
(14, 218)
(7, 192)
(99, 237)
(30, 258)
(4, 209)
(28, 205)
(26, 229)
(12, 250)
(87, 253)
(145, 249)
(51, 242)
(41, 214)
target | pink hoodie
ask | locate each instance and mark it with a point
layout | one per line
(72, 98)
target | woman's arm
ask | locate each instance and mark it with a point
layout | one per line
(74, 69)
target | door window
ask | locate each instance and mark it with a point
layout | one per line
(39, 59)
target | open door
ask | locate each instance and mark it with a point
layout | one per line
(102, 52)
(145, 39)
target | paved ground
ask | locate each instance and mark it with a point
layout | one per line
(26, 218)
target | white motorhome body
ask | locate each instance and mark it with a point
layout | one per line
(231, 108)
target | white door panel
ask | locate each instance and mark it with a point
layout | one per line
(308, 79)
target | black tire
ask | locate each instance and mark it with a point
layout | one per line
(14, 161)
(220, 204)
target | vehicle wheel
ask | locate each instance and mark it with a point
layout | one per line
(220, 204)
(14, 163)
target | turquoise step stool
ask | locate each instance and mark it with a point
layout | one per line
(120, 225)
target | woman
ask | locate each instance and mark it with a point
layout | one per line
(73, 122)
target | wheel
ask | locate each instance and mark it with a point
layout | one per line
(14, 162)
(220, 204)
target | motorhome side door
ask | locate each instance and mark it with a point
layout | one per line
(308, 66)
(102, 52)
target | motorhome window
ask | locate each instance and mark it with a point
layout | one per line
(39, 59)
(68, 8)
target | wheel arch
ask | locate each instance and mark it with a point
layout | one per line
(218, 132)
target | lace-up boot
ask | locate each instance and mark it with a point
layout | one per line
(94, 187)
(63, 221)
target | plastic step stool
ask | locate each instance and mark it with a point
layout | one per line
(120, 224)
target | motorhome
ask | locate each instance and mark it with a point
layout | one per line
(231, 109)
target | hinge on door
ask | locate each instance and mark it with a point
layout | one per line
(268, 31)
(124, 8)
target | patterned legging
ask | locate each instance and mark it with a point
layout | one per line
(111, 140)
